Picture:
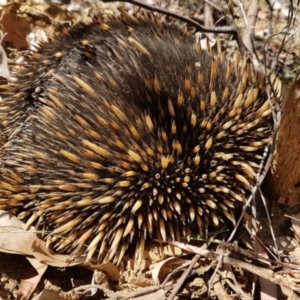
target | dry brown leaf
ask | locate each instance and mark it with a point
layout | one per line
(49, 295)
(15, 239)
(30, 278)
(161, 269)
(17, 29)
(13, 234)
(109, 269)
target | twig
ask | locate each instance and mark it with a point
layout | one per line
(198, 26)
(208, 19)
(116, 295)
(269, 222)
(183, 277)
(250, 20)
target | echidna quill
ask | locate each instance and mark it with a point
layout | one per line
(123, 130)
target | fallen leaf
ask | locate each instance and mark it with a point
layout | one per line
(17, 29)
(109, 269)
(161, 269)
(30, 278)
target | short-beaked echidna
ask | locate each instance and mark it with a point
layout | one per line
(123, 130)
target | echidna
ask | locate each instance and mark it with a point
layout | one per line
(123, 130)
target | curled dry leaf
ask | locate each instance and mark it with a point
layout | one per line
(13, 234)
(15, 239)
(31, 276)
(109, 269)
(163, 268)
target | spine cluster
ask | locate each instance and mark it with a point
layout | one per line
(126, 130)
